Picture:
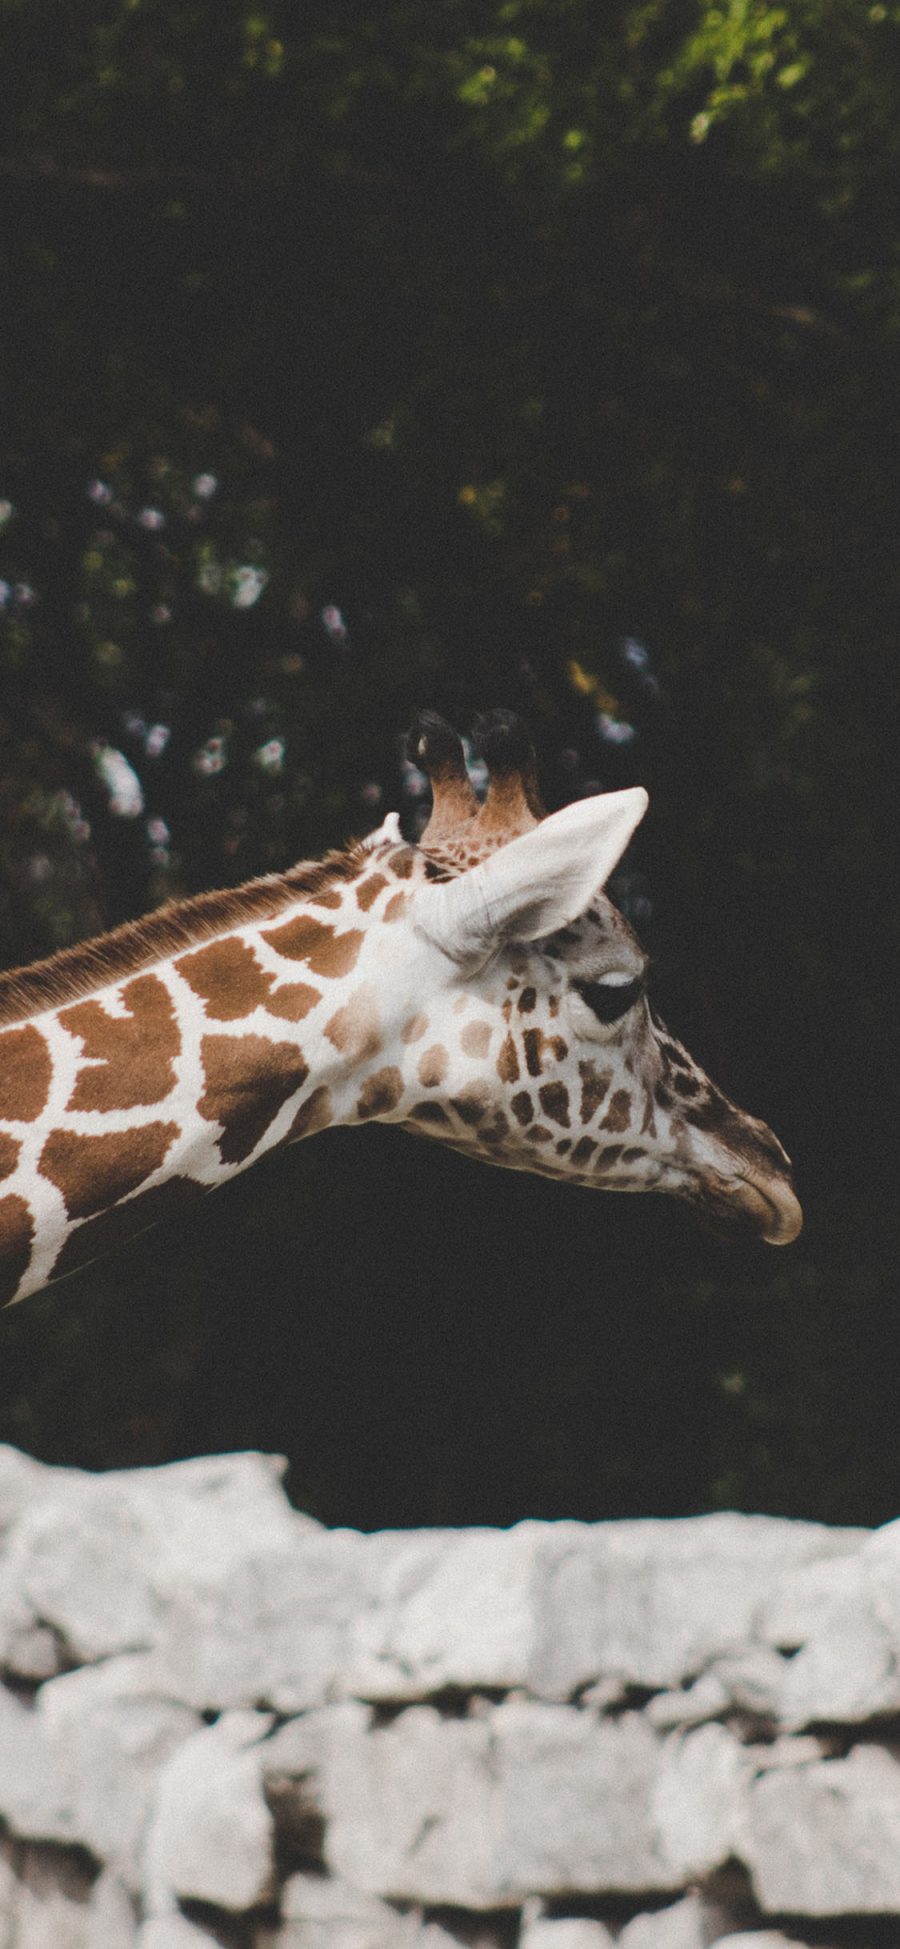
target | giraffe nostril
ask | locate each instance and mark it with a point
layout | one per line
(774, 1152)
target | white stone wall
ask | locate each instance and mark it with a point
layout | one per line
(222, 1723)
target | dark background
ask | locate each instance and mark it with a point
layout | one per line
(358, 359)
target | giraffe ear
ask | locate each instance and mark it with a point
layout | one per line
(536, 883)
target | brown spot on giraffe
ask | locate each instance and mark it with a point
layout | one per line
(508, 1061)
(535, 1046)
(522, 1107)
(355, 1029)
(369, 889)
(594, 1087)
(227, 977)
(433, 1065)
(9, 1155)
(134, 1053)
(380, 1093)
(16, 1235)
(116, 1227)
(429, 1113)
(414, 1029)
(402, 862)
(607, 1160)
(25, 1073)
(584, 1149)
(248, 1079)
(476, 1039)
(538, 1135)
(293, 1000)
(95, 1172)
(314, 1114)
(527, 1001)
(554, 1100)
(619, 1111)
(564, 1145)
(472, 1104)
(396, 907)
(313, 941)
(329, 897)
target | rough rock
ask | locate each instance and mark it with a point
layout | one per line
(434, 1740)
(320, 1913)
(566, 1932)
(655, 1602)
(750, 1684)
(8, 1887)
(683, 1926)
(575, 1802)
(203, 1572)
(99, 1559)
(211, 1838)
(848, 1667)
(327, 1914)
(49, 1901)
(758, 1939)
(273, 1629)
(553, 1606)
(175, 1931)
(411, 1809)
(693, 1705)
(698, 1796)
(480, 1812)
(793, 1611)
(86, 1779)
(448, 1610)
(22, 1481)
(824, 1839)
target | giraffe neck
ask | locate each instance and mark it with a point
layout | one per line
(131, 1095)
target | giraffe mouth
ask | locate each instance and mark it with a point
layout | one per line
(762, 1208)
(772, 1208)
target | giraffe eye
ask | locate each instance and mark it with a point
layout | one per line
(612, 996)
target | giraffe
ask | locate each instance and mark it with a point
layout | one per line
(478, 988)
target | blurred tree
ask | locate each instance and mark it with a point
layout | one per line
(360, 359)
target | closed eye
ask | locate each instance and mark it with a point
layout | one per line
(610, 998)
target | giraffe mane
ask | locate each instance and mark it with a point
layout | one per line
(76, 971)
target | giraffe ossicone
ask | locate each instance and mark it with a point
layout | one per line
(478, 988)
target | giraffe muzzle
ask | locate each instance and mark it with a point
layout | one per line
(771, 1205)
(744, 1173)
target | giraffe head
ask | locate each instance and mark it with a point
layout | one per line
(534, 1044)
